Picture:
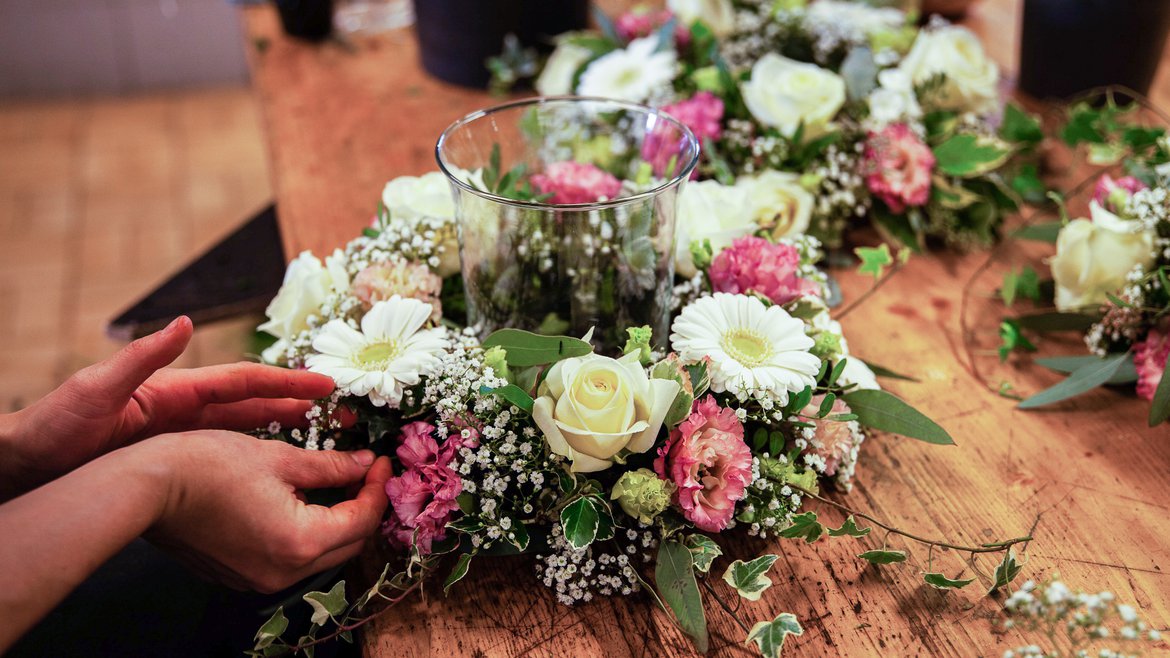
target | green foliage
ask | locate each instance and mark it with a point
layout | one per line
(272, 629)
(511, 185)
(883, 411)
(965, 155)
(883, 556)
(1046, 232)
(1006, 572)
(769, 635)
(874, 260)
(704, 550)
(860, 73)
(1026, 182)
(581, 521)
(460, 570)
(674, 576)
(804, 526)
(1126, 374)
(1160, 405)
(1056, 321)
(939, 581)
(327, 605)
(1019, 126)
(639, 341)
(882, 371)
(750, 578)
(525, 348)
(849, 529)
(513, 394)
(1083, 379)
(1011, 339)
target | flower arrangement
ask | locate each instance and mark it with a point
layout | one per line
(868, 117)
(1110, 275)
(615, 466)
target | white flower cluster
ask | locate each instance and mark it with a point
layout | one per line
(1084, 619)
(576, 575)
(769, 503)
(1151, 208)
(842, 194)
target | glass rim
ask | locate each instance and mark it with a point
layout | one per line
(535, 101)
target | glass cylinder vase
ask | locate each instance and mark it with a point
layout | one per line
(566, 211)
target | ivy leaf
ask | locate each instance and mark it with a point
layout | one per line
(272, 629)
(1026, 182)
(1006, 572)
(750, 578)
(1012, 340)
(883, 411)
(849, 529)
(674, 576)
(704, 550)
(874, 260)
(458, 572)
(1082, 380)
(1023, 284)
(939, 581)
(769, 635)
(965, 155)
(513, 394)
(370, 593)
(327, 604)
(1160, 405)
(524, 348)
(883, 556)
(1019, 126)
(804, 526)
(580, 521)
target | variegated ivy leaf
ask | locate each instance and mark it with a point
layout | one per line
(272, 629)
(883, 556)
(704, 550)
(460, 570)
(769, 635)
(327, 604)
(849, 529)
(939, 581)
(804, 526)
(1006, 572)
(749, 578)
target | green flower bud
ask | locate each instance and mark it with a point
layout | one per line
(702, 254)
(639, 342)
(642, 494)
(786, 473)
(826, 344)
(707, 79)
(496, 359)
(671, 368)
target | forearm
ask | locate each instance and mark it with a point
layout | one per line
(12, 462)
(55, 536)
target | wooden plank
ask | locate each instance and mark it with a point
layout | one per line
(1088, 477)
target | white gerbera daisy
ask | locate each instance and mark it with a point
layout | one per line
(752, 347)
(391, 352)
(631, 74)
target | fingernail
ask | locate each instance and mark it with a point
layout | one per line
(363, 457)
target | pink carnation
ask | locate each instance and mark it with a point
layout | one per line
(1113, 193)
(898, 166)
(753, 264)
(638, 23)
(576, 182)
(422, 498)
(702, 113)
(710, 464)
(406, 279)
(835, 440)
(1149, 357)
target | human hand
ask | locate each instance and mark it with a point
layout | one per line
(234, 511)
(131, 396)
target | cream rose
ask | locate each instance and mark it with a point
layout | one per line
(783, 93)
(592, 407)
(306, 285)
(1093, 257)
(557, 77)
(718, 15)
(971, 77)
(415, 197)
(777, 203)
(709, 210)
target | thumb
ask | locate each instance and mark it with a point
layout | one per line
(317, 469)
(116, 378)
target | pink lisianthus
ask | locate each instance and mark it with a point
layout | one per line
(835, 441)
(638, 23)
(702, 113)
(576, 182)
(710, 464)
(1113, 193)
(753, 264)
(422, 498)
(898, 167)
(1149, 358)
(384, 280)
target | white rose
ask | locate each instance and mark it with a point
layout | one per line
(893, 100)
(306, 285)
(718, 15)
(954, 51)
(778, 203)
(412, 197)
(783, 93)
(708, 210)
(592, 407)
(557, 77)
(1093, 257)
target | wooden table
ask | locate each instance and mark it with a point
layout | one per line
(1088, 478)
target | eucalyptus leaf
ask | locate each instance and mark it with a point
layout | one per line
(939, 581)
(1082, 380)
(1045, 232)
(1160, 405)
(849, 529)
(525, 348)
(327, 604)
(1126, 374)
(859, 72)
(674, 576)
(882, 371)
(883, 411)
(883, 556)
(750, 578)
(1056, 321)
(769, 635)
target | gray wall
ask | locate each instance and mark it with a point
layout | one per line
(53, 47)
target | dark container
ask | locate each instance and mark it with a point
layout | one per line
(1071, 46)
(311, 20)
(456, 37)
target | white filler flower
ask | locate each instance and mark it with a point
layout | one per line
(391, 352)
(631, 74)
(752, 347)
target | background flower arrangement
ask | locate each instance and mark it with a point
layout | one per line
(867, 117)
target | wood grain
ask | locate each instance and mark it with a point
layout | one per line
(1088, 478)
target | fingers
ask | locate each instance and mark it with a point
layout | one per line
(354, 520)
(316, 469)
(334, 557)
(118, 377)
(252, 414)
(244, 381)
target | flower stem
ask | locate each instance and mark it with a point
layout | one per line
(894, 269)
(723, 604)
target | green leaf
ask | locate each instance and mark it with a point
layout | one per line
(1023, 283)
(750, 578)
(1082, 380)
(883, 556)
(458, 572)
(804, 526)
(882, 371)
(883, 411)
(525, 348)
(513, 394)
(272, 629)
(704, 550)
(939, 581)
(327, 604)
(1006, 572)
(1046, 232)
(1160, 405)
(674, 576)
(874, 260)
(517, 535)
(826, 404)
(1011, 340)
(1126, 374)
(1019, 126)
(838, 368)
(580, 521)
(966, 155)
(769, 635)
(1056, 321)
(849, 529)
(1026, 182)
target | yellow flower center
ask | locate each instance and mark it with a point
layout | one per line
(746, 346)
(599, 388)
(376, 356)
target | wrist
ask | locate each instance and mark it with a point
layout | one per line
(152, 464)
